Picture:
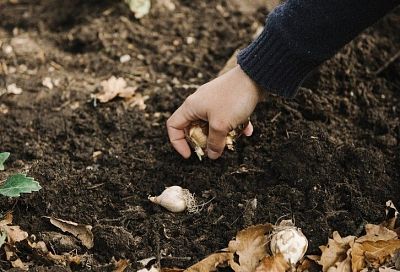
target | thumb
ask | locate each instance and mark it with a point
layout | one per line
(216, 139)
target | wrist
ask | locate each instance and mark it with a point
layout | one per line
(249, 84)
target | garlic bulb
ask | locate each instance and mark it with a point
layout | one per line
(290, 241)
(197, 134)
(176, 199)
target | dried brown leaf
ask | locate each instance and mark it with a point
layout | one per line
(377, 233)
(250, 246)
(305, 265)
(336, 251)
(7, 219)
(14, 234)
(65, 258)
(121, 265)
(14, 259)
(80, 231)
(114, 87)
(211, 262)
(274, 263)
(138, 100)
(375, 253)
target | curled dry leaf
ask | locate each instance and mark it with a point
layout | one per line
(211, 263)
(138, 100)
(375, 253)
(114, 87)
(336, 251)
(250, 246)
(7, 219)
(377, 233)
(80, 231)
(63, 259)
(14, 259)
(14, 234)
(276, 263)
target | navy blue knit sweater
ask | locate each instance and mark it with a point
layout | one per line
(301, 34)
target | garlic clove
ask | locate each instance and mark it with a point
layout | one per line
(176, 199)
(197, 134)
(291, 242)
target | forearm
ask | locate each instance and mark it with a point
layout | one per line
(300, 34)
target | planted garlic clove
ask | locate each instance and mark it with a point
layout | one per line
(290, 241)
(176, 199)
(197, 134)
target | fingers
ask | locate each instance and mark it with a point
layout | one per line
(175, 127)
(248, 131)
(216, 139)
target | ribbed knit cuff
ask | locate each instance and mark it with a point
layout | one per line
(272, 63)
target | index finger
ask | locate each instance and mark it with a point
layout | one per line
(176, 125)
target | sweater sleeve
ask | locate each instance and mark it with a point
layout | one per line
(301, 34)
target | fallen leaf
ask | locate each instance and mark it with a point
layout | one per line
(7, 219)
(336, 251)
(14, 259)
(250, 246)
(342, 266)
(114, 87)
(211, 262)
(121, 265)
(14, 234)
(80, 231)
(65, 258)
(304, 266)
(274, 263)
(140, 8)
(18, 184)
(137, 100)
(373, 253)
(377, 233)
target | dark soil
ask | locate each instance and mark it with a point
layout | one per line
(330, 158)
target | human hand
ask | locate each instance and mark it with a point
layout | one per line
(224, 102)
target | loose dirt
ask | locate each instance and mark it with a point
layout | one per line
(329, 158)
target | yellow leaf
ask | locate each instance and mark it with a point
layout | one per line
(250, 246)
(273, 264)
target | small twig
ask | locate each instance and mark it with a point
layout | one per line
(95, 186)
(386, 64)
(276, 117)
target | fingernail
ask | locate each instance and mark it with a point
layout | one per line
(213, 155)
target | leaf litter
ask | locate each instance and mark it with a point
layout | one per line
(80, 231)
